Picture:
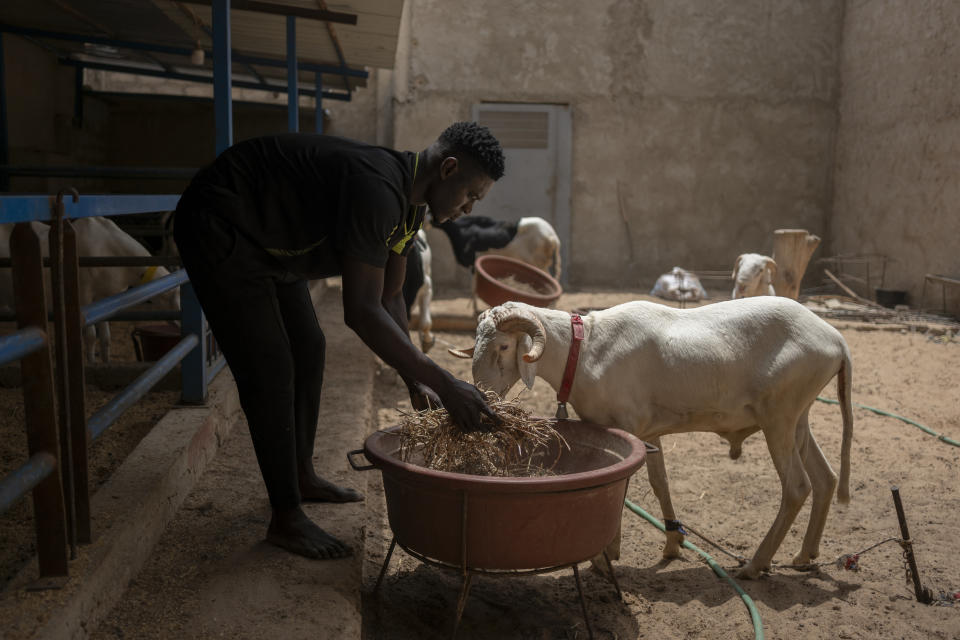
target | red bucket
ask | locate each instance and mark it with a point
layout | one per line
(152, 341)
(501, 279)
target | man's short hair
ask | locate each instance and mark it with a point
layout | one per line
(476, 141)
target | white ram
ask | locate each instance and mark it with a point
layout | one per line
(732, 368)
(753, 276)
(96, 237)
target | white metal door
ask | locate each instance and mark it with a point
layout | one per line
(536, 145)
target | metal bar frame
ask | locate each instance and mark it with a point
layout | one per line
(180, 51)
(114, 261)
(28, 208)
(22, 343)
(73, 488)
(76, 402)
(108, 414)
(90, 171)
(194, 77)
(4, 133)
(57, 276)
(293, 98)
(322, 15)
(318, 97)
(105, 308)
(40, 407)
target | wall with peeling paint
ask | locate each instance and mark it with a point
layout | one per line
(897, 184)
(698, 127)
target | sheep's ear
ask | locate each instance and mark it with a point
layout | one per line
(771, 267)
(528, 370)
(736, 265)
(461, 353)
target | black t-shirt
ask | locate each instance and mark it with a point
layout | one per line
(309, 199)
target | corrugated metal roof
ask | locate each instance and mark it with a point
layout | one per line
(371, 42)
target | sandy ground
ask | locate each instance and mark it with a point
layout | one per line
(732, 502)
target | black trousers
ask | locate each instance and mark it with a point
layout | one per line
(263, 319)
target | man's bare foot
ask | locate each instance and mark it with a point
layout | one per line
(292, 530)
(316, 489)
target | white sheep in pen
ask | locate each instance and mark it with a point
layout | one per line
(96, 237)
(753, 276)
(732, 368)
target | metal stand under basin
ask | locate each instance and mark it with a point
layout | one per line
(468, 574)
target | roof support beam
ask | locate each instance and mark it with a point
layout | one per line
(287, 10)
(293, 97)
(222, 76)
(4, 140)
(189, 77)
(179, 51)
(319, 108)
(336, 45)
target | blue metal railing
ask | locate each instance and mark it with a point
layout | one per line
(72, 518)
(31, 346)
(27, 208)
(107, 414)
(23, 479)
(105, 308)
(21, 343)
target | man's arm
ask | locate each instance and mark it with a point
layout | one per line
(394, 276)
(365, 313)
(392, 297)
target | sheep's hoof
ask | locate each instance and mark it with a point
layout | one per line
(750, 572)
(427, 343)
(671, 551)
(599, 565)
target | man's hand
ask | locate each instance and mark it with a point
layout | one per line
(467, 406)
(423, 397)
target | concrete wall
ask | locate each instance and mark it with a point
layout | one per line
(713, 123)
(897, 185)
(699, 126)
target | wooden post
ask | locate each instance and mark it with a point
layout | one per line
(792, 249)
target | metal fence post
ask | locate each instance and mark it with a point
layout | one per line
(194, 368)
(62, 378)
(39, 401)
(293, 93)
(79, 438)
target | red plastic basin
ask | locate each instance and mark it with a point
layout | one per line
(497, 523)
(492, 269)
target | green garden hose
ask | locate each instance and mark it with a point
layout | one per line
(717, 569)
(893, 415)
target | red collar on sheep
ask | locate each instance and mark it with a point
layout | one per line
(576, 323)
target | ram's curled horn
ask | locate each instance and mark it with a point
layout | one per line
(461, 353)
(523, 320)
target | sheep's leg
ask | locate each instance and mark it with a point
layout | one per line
(657, 474)
(602, 563)
(103, 336)
(473, 294)
(90, 343)
(794, 486)
(424, 298)
(824, 482)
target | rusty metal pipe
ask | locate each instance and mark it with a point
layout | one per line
(924, 596)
